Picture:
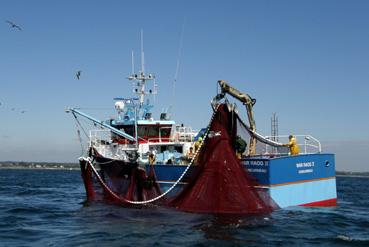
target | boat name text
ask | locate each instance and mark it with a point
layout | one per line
(256, 162)
(305, 164)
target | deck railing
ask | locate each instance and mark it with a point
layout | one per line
(309, 145)
(99, 137)
(179, 134)
(101, 140)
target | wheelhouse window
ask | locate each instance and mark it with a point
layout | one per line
(149, 131)
(165, 131)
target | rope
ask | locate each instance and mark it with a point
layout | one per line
(77, 121)
(79, 136)
(80, 141)
(172, 187)
(258, 136)
(101, 180)
(107, 162)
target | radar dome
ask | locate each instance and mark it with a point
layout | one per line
(119, 106)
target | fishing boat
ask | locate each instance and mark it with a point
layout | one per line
(135, 158)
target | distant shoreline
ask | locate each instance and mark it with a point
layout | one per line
(39, 165)
(34, 168)
(353, 176)
(75, 167)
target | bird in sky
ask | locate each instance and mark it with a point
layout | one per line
(13, 25)
(23, 111)
(78, 74)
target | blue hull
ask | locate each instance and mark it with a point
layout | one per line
(301, 180)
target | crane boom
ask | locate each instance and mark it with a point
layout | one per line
(247, 101)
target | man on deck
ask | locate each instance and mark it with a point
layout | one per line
(294, 148)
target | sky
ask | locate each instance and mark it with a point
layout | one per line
(307, 61)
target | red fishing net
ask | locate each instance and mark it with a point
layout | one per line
(119, 187)
(221, 185)
(143, 187)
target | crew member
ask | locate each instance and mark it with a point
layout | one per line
(190, 153)
(294, 148)
(197, 143)
(152, 159)
(239, 146)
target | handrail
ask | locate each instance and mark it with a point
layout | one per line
(316, 143)
(101, 123)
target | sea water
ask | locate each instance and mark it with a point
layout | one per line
(47, 208)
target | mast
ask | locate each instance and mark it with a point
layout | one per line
(274, 129)
(142, 55)
(139, 87)
(133, 63)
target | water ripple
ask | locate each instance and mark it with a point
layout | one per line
(46, 208)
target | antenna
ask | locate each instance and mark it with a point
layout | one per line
(142, 55)
(139, 81)
(179, 54)
(274, 129)
(178, 63)
(133, 63)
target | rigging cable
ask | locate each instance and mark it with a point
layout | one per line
(79, 126)
(178, 63)
(77, 121)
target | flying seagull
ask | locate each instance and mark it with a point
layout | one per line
(78, 74)
(13, 25)
(23, 111)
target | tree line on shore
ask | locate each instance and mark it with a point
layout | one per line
(75, 166)
(38, 165)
